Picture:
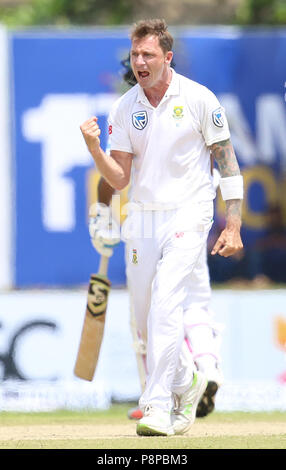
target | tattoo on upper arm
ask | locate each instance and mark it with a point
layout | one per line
(224, 155)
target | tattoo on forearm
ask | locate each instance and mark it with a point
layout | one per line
(224, 155)
(233, 211)
(233, 207)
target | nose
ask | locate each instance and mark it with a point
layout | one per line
(139, 60)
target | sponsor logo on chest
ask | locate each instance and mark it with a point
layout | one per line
(140, 120)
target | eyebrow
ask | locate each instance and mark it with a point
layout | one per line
(145, 51)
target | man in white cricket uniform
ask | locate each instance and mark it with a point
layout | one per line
(161, 134)
(202, 334)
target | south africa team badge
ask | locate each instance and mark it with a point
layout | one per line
(178, 112)
(139, 120)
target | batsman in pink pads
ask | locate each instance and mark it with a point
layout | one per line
(162, 133)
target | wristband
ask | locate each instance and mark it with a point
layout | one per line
(231, 187)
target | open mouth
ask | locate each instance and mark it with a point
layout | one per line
(143, 74)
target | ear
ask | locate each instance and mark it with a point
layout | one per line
(169, 57)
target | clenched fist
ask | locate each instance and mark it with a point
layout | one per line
(91, 133)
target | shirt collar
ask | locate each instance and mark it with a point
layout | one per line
(173, 89)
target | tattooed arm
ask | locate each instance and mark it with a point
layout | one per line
(229, 241)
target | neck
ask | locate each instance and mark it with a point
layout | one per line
(156, 93)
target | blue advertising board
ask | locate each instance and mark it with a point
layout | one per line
(62, 78)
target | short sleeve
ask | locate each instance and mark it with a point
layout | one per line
(213, 120)
(118, 136)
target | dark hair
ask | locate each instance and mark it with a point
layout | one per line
(154, 27)
(128, 75)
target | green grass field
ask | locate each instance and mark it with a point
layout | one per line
(112, 429)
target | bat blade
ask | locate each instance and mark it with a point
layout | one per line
(93, 327)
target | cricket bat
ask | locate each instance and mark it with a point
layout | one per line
(93, 324)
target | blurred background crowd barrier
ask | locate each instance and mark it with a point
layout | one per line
(51, 80)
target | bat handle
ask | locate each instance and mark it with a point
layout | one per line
(103, 265)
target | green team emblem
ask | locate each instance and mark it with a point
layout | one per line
(178, 112)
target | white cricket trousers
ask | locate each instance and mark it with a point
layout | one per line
(162, 249)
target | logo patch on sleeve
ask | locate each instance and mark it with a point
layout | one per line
(218, 119)
(139, 120)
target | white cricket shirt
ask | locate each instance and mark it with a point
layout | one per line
(171, 163)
